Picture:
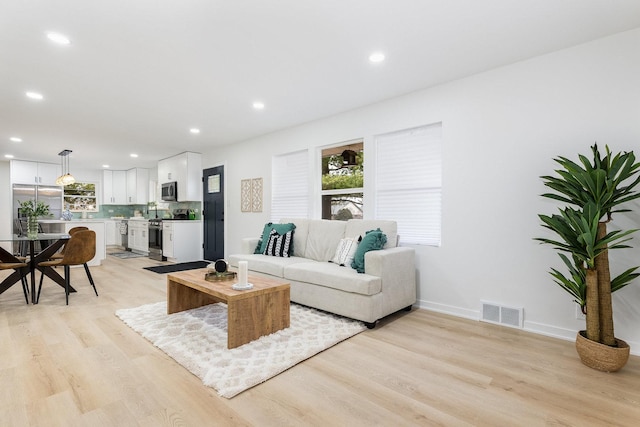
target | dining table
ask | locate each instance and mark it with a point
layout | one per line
(49, 243)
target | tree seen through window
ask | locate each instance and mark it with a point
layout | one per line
(342, 181)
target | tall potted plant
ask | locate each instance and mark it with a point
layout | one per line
(594, 191)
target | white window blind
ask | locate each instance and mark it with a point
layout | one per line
(409, 182)
(290, 186)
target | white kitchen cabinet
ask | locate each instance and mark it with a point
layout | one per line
(112, 233)
(143, 238)
(186, 170)
(138, 186)
(138, 236)
(131, 236)
(182, 240)
(114, 187)
(24, 172)
(167, 170)
(153, 191)
(167, 239)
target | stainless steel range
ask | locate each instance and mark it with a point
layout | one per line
(155, 240)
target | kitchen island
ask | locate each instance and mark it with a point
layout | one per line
(97, 225)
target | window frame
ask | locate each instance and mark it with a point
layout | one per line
(341, 146)
(89, 195)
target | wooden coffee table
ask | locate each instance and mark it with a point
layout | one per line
(251, 314)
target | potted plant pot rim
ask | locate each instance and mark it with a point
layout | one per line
(601, 356)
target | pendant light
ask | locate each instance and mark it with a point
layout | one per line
(66, 178)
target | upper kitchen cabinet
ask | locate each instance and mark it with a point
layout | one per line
(114, 187)
(24, 172)
(130, 187)
(138, 186)
(186, 170)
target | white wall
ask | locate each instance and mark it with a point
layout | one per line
(6, 216)
(501, 130)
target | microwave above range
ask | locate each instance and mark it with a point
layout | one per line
(170, 191)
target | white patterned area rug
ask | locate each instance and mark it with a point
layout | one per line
(197, 339)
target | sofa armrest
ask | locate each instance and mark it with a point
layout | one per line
(248, 245)
(397, 270)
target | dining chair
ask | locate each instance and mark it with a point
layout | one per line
(79, 250)
(23, 278)
(71, 232)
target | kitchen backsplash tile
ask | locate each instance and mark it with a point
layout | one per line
(164, 210)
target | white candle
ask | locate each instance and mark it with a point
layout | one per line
(243, 267)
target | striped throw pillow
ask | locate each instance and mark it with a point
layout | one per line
(278, 244)
(345, 252)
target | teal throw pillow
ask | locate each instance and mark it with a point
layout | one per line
(373, 240)
(281, 229)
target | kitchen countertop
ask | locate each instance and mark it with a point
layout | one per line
(62, 221)
(149, 219)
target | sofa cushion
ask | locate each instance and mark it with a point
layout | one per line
(371, 241)
(264, 263)
(333, 276)
(299, 236)
(358, 227)
(278, 244)
(345, 251)
(323, 238)
(280, 229)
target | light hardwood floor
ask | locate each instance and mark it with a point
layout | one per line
(79, 365)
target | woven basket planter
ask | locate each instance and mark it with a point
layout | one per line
(600, 356)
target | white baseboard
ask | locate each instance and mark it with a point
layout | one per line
(567, 334)
(533, 327)
(449, 309)
(550, 331)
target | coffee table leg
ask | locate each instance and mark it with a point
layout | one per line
(181, 297)
(250, 318)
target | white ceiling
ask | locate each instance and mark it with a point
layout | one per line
(140, 73)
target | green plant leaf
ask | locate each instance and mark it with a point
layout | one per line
(624, 279)
(574, 285)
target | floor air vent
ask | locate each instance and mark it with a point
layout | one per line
(501, 315)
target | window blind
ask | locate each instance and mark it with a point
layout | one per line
(409, 182)
(290, 188)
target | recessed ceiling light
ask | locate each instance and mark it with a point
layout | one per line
(35, 95)
(194, 130)
(58, 38)
(376, 57)
(133, 155)
(105, 166)
(8, 156)
(15, 139)
(258, 105)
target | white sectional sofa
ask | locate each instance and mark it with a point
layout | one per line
(387, 285)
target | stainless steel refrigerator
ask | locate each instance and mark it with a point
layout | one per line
(51, 195)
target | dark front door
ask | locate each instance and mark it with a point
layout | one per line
(213, 218)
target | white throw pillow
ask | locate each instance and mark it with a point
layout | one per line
(345, 251)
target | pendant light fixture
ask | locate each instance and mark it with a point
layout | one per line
(66, 178)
